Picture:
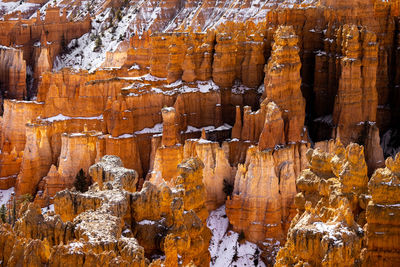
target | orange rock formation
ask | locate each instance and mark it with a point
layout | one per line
(285, 75)
(382, 226)
(328, 210)
(87, 227)
(282, 82)
(12, 73)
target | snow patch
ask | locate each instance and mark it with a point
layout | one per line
(224, 127)
(123, 136)
(156, 129)
(48, 208)
(5, 195)
(146, 222)
(225, 248)
(61, 117)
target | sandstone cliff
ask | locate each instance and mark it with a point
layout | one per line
(12, 73)
(382, 226)
(329, 212)
(262, 203)
(110, 224)
(166, 82)
(282, 82)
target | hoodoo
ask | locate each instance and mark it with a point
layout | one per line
(199, 133)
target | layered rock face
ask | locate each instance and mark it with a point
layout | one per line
(38, 42)
(13, 73)
(382, 234)
(244, 87)
(357, 83)
(110, 224)
(262, 203)
(282, 82)
(217, 169)
(334, 202)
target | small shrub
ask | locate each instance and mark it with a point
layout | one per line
(3, 212)
(119, 15)
(25, 198)
(93, 37)
(241, 237)
(98, 44)
(81, 183)
(227, 188)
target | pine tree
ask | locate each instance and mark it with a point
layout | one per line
(98, 44)
(64, 45)
(3, 212)
(14, 210)
(227, 188)
(81, 182)
(25, 198)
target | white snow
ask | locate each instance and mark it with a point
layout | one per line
(76, 134)
(325, 119)
(111, 31)
(333, 231)
(388, 205)
(224, 247)
(134, 67)
(5, 195)
(177, 87)
(74, 247)
(224, 127)
(204, 141)
(169, 109)
(61, 117)
(155, 129)
(122, 136)
(239, 88)
(126, 231)
(146, 222)
(379, 233)
(48, 208)
(13, 7)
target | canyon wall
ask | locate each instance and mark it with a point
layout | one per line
(13, 73)
(245, 88)
(382, 216)
(38, 42)
(341, 213)
(86, 228)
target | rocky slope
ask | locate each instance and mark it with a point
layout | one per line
(342, 218)
(111, 224)
(244, 87)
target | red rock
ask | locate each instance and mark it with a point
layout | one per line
(282, 82)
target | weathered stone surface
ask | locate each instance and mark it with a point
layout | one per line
(110, 168)
(12, 73)
(216, 169)
(273, 131)
(325, 230)
(101, 224)
(262, 204)
(282, 81)
(335, 61)
(382, 228)
(357, 98)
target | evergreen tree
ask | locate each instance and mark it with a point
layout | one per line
(14, 210)
(3, 212)
(227, 188)
(81, 181)
(64, 45)
(98, 44)
(25, 198)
